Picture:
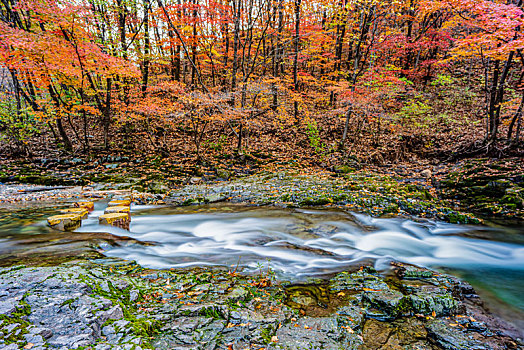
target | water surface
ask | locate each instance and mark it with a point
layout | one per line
(296, 243)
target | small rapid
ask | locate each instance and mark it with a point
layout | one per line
(304, 242)
(295, 243)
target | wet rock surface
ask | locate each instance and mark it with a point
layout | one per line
(487, 186)
(115, 304)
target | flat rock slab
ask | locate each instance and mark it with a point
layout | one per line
(115, 304)
(119, 202)
(115, 219)
(85, 204)
(65, 222)
(117, 209)
(83, 212)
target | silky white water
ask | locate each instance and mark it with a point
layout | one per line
(303, 242)
(297, 244)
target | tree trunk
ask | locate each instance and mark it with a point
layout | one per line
(147, 48)
(107, 113)
(277, 55)
(236, 44)
(295, 60)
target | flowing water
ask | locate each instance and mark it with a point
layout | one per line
(295, 243)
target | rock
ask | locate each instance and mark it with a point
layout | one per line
(121, 220)
(117, 209)
(448, 337)
(223, 174)
(195, 180)
(215, 198)
(350, 316)
(70, 314)
(7, 307)
(238, 294)
(409, 272)
(426, 173)
(391, 303)
(120, 284)
(34, 339)
(157, 188)
(120, 324)
(316, 333)
(46, 333)
(83, 212)
(85, 204)
(401, 334)
(433, 303)
(207, 310)
(72, 341)
(114, 313)
(120, 203)
(10, 327)
(65, 222)
(108, 330)
(133, 295)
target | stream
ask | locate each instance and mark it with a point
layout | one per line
(296, 244)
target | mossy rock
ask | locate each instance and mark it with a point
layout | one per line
(316, 201)
(65, 222)
(223, 174)
(344, 169)
(117, 209)
(427, 303)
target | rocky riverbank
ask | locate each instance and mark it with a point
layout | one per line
(367, 192)
(465, 192)
(115, 304)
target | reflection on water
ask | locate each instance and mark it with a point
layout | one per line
(298, 243)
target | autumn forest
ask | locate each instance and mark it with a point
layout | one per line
(322, 80)
(261, 174)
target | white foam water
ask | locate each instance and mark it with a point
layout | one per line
(303, 242)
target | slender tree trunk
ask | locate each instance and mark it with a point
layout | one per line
(496, 97)
(277, 54)
(122, 14)
(107, 113)
(63, 135)
(297, 47)
(515, 118)
(68, 146)
(346, 125)
(236, 44)
(147, 48)
(194, 44)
